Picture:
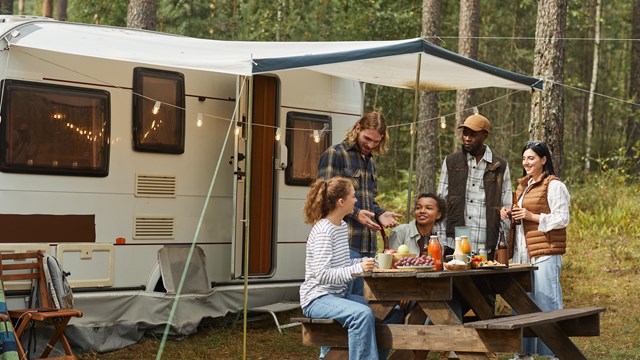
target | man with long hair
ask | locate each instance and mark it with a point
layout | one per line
(353, 159)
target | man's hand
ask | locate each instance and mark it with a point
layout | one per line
(389, 219)
(505, 213)
(366, 218)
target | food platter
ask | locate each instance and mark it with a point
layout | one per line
(488, 267)
(422, 267)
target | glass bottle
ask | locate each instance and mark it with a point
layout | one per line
(482, 252)
(458, 247)
(515, 206)
(465, 245)
(435, 251)
(502, 252)
(425, 247)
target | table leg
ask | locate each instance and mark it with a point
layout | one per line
(381, 309)
(516, 296)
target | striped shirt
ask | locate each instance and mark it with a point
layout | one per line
(475, 209)
(328, 267)
(347, 161)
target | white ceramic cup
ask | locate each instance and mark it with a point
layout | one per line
(462, 257)
(383, 261)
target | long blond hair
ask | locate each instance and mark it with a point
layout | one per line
(370, 121)
(323, 198)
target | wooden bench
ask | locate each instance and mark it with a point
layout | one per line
(328, 332)
(573, 322)
(502, 334)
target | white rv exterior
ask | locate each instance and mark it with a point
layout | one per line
(152, 210)
(102, 270)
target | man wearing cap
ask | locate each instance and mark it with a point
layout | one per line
(476, 184)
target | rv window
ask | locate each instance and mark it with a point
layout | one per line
(304, 151)
(158, 111)
(53, 129)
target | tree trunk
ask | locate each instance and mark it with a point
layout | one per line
(427, 144)
(467, 46)
(20, 7)
(633, 122)
(592, 87)
(142, 14)
(61, 10)
(547, 122)
(6, 7)
(47, 8)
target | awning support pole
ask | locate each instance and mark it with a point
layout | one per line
(412, 132)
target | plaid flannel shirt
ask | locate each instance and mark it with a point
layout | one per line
(475, 210)
(347, 161)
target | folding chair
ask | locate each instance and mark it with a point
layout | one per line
(28, 266)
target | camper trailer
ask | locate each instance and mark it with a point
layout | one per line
(133, 155)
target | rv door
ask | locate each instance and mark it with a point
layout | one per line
(255, 159)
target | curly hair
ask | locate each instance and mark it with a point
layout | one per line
(442, 204)
(323, 198)
(370, 121)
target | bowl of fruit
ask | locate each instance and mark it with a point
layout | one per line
(401, 253)
(423, 262)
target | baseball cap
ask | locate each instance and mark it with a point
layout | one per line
(476, 122)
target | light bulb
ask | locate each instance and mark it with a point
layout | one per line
(443, 122)
(475, 110)
(199, 121)
(278, 135)
(237, 130)
(156, 108)
(316, 136)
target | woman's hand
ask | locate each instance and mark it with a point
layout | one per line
(524, 214)
(367, 264)
(505, 213)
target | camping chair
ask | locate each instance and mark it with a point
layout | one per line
(28, 266)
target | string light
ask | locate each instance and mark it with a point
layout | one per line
(278, 134)
(475, 110)
(443, 122)
(199, 121)
(411, 130)
(156, 108)
(237, 130)
(316, 136)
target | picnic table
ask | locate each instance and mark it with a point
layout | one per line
(470, 338)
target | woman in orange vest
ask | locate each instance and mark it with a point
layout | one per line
(540, 240)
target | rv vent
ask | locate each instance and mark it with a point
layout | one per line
(155, 185)
(154, 227)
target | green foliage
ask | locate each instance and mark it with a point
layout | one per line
(103, 12)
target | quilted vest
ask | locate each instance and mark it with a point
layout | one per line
(458, 171)
(539, 243)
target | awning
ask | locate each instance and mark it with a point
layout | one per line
(389, 63)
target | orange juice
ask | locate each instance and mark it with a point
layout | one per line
(465, 245)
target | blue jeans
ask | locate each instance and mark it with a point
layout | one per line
(356, 287)
(547, 294)
(352, 313)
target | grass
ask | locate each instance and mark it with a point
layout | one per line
(599, 269)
